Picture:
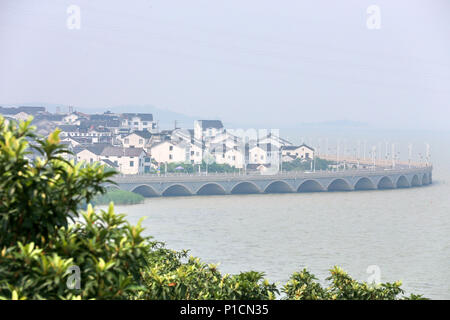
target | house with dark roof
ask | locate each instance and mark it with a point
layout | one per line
(138, 121)
(207, 129)
(303, 151)
(136, 139)
(126, 160)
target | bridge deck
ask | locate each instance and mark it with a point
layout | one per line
(348, 180)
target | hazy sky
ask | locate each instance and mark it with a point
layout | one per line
(248, 61)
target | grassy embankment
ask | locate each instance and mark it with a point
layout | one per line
(118, 197)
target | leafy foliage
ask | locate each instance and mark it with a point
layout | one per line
(193, 168)
(109, 252)
(306, 165)
(169, 277)
(38, 196)
(304, 286)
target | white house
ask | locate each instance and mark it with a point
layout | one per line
(257, 155)
(264, 154)
(126, 160)
(138, 121)
(90, 153)
(72, 118)
(207, 129)
(233, 157)
(227, 139)
(168, 151)
(136, 139)
(303, 152)
(195, 154)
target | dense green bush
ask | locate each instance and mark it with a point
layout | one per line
(304, 286)
(307, 165)
(193, 168)
(45, 239)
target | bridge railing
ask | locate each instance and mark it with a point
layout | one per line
(259, 176)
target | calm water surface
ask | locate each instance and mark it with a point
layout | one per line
(406, 232)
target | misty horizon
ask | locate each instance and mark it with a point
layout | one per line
(223, 61)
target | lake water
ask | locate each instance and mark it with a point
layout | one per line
(405, 232)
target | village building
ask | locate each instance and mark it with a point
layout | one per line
(302, 152)
(207, 129)
(169, 152)
(138, 122)
(137, 139)
(126, 160)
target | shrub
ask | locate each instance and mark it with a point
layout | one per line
(118, 197)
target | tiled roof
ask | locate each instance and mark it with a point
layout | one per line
(110, 163)
(96, 148)
(142, 116)
(144, 134)
(119, 151)
(206, 124)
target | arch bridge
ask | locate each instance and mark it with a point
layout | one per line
(286, 182)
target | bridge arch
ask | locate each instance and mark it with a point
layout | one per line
(402, 182)
(415, 181)
(339, 185)
(364, 183)
(145, 191)
(245, 187)
(310, 186)
(278, 187)
(176, 190)
(425, 179)
(211, 189)
(385, 183)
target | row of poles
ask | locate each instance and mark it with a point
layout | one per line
(373, 152)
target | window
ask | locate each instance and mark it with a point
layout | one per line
(131, 163)
(192, 153)
(144, 123)
(170, 157)
(127, 141)
(170, 148)
(136, 123)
